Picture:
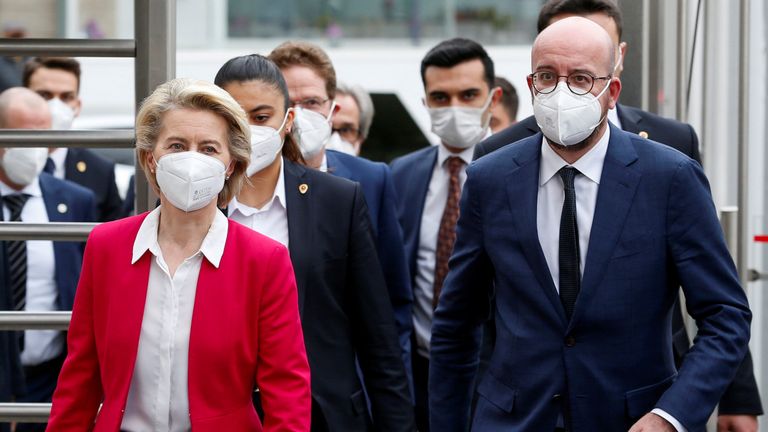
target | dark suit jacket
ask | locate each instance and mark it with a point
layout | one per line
(92, 171)
(64, 202)
(655, 229)
(344, 305)
(379, 192)
(411, 174)
(742, 396)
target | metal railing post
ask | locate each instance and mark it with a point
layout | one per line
(155, 33)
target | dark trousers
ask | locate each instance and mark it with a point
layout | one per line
(421, 390)
(40, 382)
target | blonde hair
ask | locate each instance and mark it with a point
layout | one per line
(197, 95)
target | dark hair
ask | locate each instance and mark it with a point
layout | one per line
(509, 99)
(579, 7)
(67, 64)
(256, 67)
(451, 52)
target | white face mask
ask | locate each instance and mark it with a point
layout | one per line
(266, 144)
(461, 127)
(190, 180)
(312, 131)
(566, 118)
(62, 115)
(340, 144)
(23, 165)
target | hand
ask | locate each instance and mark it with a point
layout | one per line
(652, 423)
(737, 423)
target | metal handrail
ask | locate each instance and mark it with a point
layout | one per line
(24, 320)
(56, 231)
(25, 412)
(68, 47)
(119, 138)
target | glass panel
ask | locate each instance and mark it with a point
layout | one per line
(487, 21)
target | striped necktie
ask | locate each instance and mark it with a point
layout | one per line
(17, 254)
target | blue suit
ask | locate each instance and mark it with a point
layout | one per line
(64, 202)
(654, 230)
(376, 182)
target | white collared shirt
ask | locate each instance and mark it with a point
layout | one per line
(549, 203)
(59, 158)
(271, 219)
(434, 205)
(42, 292)
(158, 397)
(613, 117)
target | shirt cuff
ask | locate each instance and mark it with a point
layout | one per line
(673, 421)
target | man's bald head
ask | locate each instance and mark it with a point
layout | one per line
(575, 35)
(21, 108)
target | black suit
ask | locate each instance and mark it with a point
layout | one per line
(742, 396)
(11, 372)
(344, 306)
(92, 171)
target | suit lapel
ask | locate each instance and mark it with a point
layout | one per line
(522, 190)
(301, 220)
(415, 198)
(630, 121)
(335, 166)
(615, 195)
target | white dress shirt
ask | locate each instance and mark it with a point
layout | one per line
(613, 117)
(42, 292)
(271, 219)
(59, 158)
(549, 203)
(549, 207)
(434, 205)
(158, 397)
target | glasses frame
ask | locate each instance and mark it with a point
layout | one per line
(302, 103)
(580, 92)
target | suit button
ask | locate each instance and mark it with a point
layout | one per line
(556, 397)
(570, 341)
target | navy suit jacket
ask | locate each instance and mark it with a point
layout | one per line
(64, 202)
(742, 396)
(655, 229)
(92, 171)
(412, 174)
(378, 189)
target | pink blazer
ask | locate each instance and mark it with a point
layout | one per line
(245, 332)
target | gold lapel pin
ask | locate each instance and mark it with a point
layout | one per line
(62, 208)
(303, 188)
(643, 134)
(81, 166)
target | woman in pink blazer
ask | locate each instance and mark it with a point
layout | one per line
(181, 313)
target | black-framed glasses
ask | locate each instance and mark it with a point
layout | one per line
(579, 83)
(348, 132)
(312, 104)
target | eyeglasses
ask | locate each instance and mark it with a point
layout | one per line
(579, 83)
(347, 132)
(312, 104)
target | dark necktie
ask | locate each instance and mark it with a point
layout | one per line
(50, 166)
(446, 235)
(17, 259)
(569, 256)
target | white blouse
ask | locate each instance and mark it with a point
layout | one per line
(158, 398)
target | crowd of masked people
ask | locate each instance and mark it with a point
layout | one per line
(518, 276)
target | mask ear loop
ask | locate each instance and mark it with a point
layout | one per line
(330, 113)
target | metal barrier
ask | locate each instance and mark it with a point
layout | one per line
(154, 50)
